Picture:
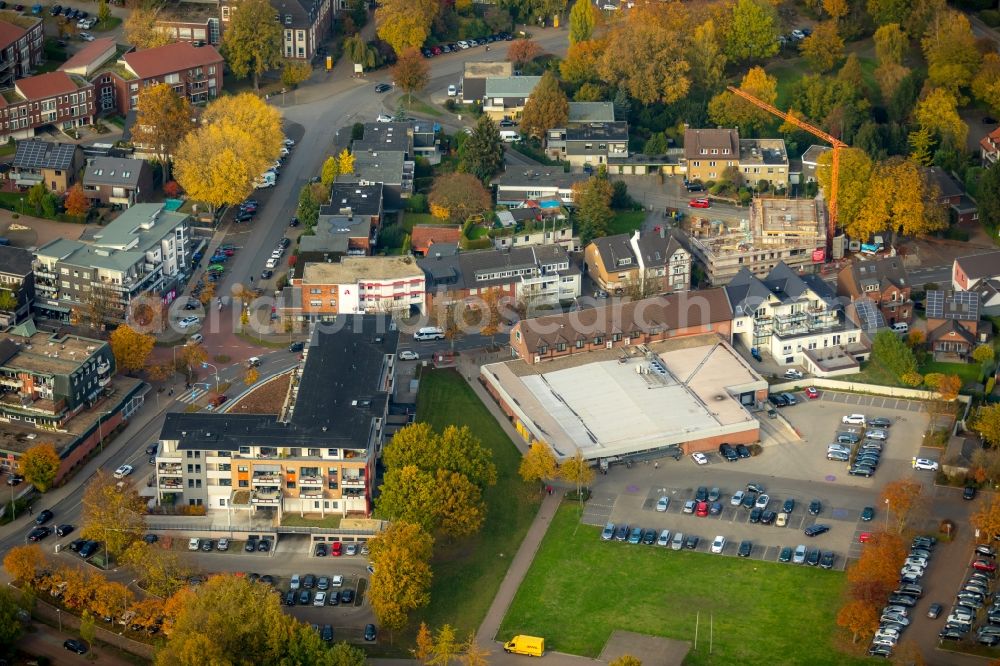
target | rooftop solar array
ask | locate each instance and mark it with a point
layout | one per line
(871, 316)
(961, 305)
(43, 154)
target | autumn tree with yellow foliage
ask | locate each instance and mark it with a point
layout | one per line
(401, 580)
(728, 110)
(405, 24)
(824, 48)
(937, 113)
(538, 463)
(131, 348)
(162, 121)
(140, 29)
(456, 197)
(239, 137)
(899, 199)
(112, 513)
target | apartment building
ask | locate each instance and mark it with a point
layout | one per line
(764, 161)
(21, 46)
(884, 282)
(47, 378)
(16, 282)
(638, 265)
(316, 456)
(796, 319)
(64, 101)
(56, 165)
(583, 144)
(792, 231)
(356, 285)
(143, 252)
(535, 275)
(709, 152)
(515, 187)
(305, 23)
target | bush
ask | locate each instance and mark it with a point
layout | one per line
(450, 104)
(954, 233)
(392, 236)
(417, 204)
(222, 358)
(991, 17)
(357, 131)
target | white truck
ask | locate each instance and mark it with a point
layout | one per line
(267, 179)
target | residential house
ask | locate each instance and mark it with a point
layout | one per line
(797, 320)
(979, 273)
(952, 196)
(425, 236)
(57, 165)
(677, 315)
(590, 112)
(764, 161)
(474, 75)
(989, 148)
(709, 152)
(21, 42)
(356, 200)
(884, 282)
(390, 168)
(792, 231)
(57, 99)
(638, 265)
(316, 456)
(47, 377)
(356, 285)
(118, 181)
(534, 275)
(515, 187)
(194, 72)
(306, 24)
(142, 253)
(588, 144)
(413, 138)
(17, 282)
(954, 327)
(194, 22)
(91, 57)
(506, 96)
(810, 161)
(542, 221)
(336, 236)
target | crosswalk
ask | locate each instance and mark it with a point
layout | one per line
(192, 395)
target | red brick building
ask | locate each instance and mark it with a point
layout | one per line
(21, 39)
(58, 99)
(192, 71)
(885, 282)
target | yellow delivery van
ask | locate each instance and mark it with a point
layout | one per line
(532, 646)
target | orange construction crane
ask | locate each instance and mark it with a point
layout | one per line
(815, 131)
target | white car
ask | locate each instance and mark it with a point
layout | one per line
(700, 458)
(925, 464)
(86, 36)
(408, 355)
(662, 503)
(793, 374)
(319, 599)
(718, 544)
(123, 471)
(187, 321)
(194, 543)
(383, 118)
(271, 263)
(463, 44)
(336, 581)
(289, 142)
(664, 539)
(854, 419)
(877, 434)
(689, 506)
(737, 498)
(762, 501)
(276, 254)
(294, 585)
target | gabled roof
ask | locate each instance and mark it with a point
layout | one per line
(957, 305)
(37, 154)
(720, 140)
(946, 184)
(880, 273)
(50, 84)
(86, 57)
(867, 314)
(747, 292)
(424, 236)
(616, 253)
(113, 171)
(10, 33)
(979, 266)
(175, 57)
(951, 326)
(15, 261)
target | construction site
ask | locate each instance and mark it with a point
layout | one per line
(789, 230)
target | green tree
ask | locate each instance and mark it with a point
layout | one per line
(87, 627)
(889, 11)
(308, 207)
(360, 52)
(37, 194)
(889, 350)
(577, 471)
(345, 654)
(891, 44)
(951, 51)
(989, 197)
(824, 48)
(583, 17)
(400, 582)
(409, 493)
(706, 58)
(482, 153)
(252, 41)
(983, 354)
(446, 647)
(987, 423)
(411, 72)
(625, 660)
(103, 13)
(455, 449)
(112, 514)
(986, 83)
(593, 208)
(40, 465)
(655, 144)
(752, 32)
(547, 108)
(921, 142)
(331, 169)
(10, 624)
(8, 300)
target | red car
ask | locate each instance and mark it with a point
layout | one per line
(984, 565)
(336, 549)
(864, 537)
(436, 50)
(218, 400)
(812, 393)
(701, 510)
(700, 203)
(229, 253)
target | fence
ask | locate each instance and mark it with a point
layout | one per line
(66, 620)
(858, 387)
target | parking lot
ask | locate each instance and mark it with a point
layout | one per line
(791, 466)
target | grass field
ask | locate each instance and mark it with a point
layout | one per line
(580, 589)
(467, 573)
(969, 372)
(626, 221)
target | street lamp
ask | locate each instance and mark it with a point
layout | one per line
(100, 430)
(209, 365)
(887, 515)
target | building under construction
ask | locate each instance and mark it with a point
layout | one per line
(789, 230)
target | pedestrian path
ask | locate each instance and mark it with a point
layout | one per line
(192, 395)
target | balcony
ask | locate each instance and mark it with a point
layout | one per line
(269, 497)
(353, 482)
(171, 484)
(266, 479)
(103, 368)
(310, 493)
(174, 469)
(310, 481)
(103, 381)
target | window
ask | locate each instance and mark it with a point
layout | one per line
(598, 340)
(290, 483)
(244, 483)
(579, 344)
(245, 450)
(243, 468)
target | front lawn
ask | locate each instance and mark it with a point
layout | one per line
(969, 372)
(467, 573)
(626, 221)
(580, 589)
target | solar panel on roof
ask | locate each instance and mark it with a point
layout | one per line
(935, 305)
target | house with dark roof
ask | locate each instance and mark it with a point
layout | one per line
(57, 99)
(516, 186)
(472, 88)
(764, 160)
(593, 143)
(356, 200)
(810, 160)
(425, 236)
(306, 24)
(16, 280)
(968, 272)
(639, 265)
(884, 282)
(21, 46)
(954, 326)
(57, 165)
(951, 195)
(315, 456)
(390, 168)
(506, 96)
(117, 181)
(797, 320)
(640, 322)
(336, 236)
(533, 275)
(709, 152)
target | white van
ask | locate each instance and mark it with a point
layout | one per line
(267, 179)
(429, 333)
(901, 327)
(510, 136)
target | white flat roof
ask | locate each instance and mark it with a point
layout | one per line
(617, 402)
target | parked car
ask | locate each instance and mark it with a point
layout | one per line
(74, 645)
(609, 532)
(746, 547)
(718, 544)
(816, 530)
(799, 556)
(662, 503)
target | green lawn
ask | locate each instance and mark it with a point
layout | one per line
(580, 589)
(787, 72)
(626, 221)
(293, 520)
(873, 373)
(969, 372)
(420, 106)
(467, 573)
(411, 219)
